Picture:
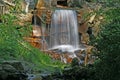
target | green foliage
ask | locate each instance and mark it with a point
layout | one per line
(13, 47)
(109, 3)
(75, 62)
(17, 7)
(79, 73)
(108, 65)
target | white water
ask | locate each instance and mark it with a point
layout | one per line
(64, 31)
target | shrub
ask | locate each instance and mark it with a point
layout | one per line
(107, 67)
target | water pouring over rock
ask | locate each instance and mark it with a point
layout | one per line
(64, 31)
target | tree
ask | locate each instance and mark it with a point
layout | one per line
(108, 65)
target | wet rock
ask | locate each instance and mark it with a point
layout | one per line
(81, 55)
(46, 76)
(8, 68)
(15, 64)
(34, 77)
(12, 70)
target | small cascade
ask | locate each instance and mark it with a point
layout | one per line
(43, 40)
(39, 32)
(64, 31)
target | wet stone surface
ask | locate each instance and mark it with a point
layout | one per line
(12, 70)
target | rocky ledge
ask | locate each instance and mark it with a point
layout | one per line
(12, 70)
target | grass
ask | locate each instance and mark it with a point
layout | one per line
(13, 47)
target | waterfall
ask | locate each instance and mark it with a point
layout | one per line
(64, 31)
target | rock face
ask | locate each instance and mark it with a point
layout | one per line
(12, 70)
(2, 7)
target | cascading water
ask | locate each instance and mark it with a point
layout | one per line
(39, 31)
(64, 31)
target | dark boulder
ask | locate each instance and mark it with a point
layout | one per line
(12, 70)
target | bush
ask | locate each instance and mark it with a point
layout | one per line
(108, 65)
